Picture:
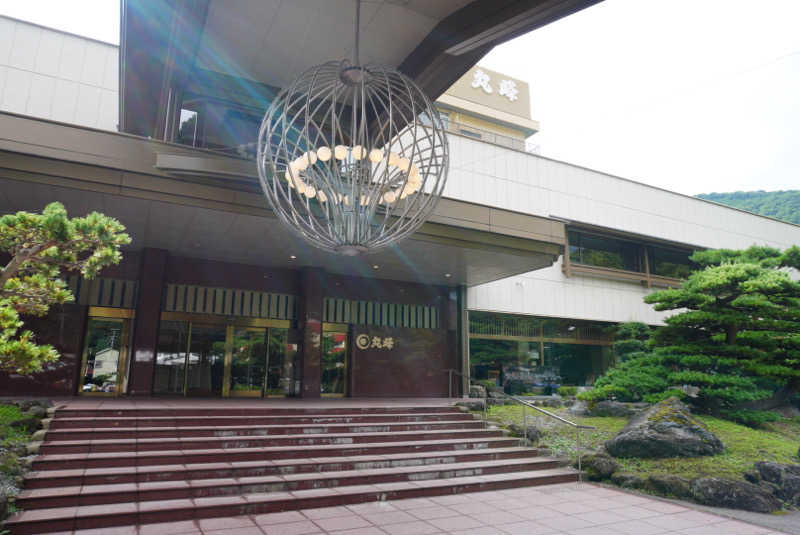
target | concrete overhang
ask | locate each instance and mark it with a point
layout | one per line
(166, 44)
(197, 204)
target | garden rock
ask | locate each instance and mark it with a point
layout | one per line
(775, 472)
(533, 433)
(628, 481)
(37, 411)
(579, 408)
(734, 494)
(666, 429)
(598, 466)
(477, 391)
(472, 404)
(610, 408)
(29, 424)
(790, 490)
(670, 485)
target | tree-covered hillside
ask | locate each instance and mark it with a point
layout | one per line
(778, 204)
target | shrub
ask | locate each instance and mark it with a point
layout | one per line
(567, 391)
(750, 418)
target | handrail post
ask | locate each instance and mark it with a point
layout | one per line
(578, 451)
(450, 384)
(524, 424)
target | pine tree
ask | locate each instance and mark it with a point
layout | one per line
(41, 246)
(734, 339)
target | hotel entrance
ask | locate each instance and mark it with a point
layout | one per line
(223, 357)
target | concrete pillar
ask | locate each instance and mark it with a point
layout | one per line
(310, 322)
(148, 316)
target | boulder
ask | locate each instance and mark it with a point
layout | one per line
(579, 408)
(598, 466)
(37, 411)
(790, 490)
(670, 485)
(471, 404)
(666, 429)
(734, 495)
(753, 477)
(610, 408)
(533, 433)
(477, 391)
(628, 481)
(775, 472)
(29, 424)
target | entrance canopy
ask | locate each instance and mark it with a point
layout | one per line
(162, 194)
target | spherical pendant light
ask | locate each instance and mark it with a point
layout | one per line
(352, 157)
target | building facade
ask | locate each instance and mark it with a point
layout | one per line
(516, 278)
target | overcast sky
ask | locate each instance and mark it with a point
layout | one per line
(689, 95)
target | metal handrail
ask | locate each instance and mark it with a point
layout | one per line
(577, 427)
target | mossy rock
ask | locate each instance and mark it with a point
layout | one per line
(628, 481)
(734, 495)
(598, 466)
(666, 429)
(669, 485)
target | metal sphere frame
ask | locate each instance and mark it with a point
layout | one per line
(352, 158)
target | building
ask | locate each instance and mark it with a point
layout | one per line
(515, 277)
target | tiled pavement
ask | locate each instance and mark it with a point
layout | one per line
(555, 509)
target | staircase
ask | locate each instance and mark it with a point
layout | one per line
(110, 467)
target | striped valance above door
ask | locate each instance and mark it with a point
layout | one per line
(382, 314)
(229, 302)
(103, 292)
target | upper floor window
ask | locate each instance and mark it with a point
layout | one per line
(615, 253)
(605, 252)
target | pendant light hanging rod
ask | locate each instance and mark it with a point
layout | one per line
(356, 55)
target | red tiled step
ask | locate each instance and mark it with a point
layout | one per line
(84, 435)
(246, 411)
(60, 422)
(182, 472)
(191, 443)
(200, 488)
(120, 514)
(171, 457)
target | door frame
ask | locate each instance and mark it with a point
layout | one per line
(345, 329)
(125, 316)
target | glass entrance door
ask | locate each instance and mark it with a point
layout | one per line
(248, 362)
(223, 359)
(205, 367)
(105, 356)
(334, 364)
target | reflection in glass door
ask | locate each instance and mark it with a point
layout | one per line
(248, 362)
(206, 361)
(104, 356)
(334, 369)
(280, 371)
(213, 359)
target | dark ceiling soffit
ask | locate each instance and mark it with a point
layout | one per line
(461, 39)
(158, 41)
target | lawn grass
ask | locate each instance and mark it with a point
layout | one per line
(11, 435)
(776, 442)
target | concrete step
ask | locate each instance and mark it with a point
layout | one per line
(184, 472)
(232, 410)
(83, 460)
(194, 443)
(203, 488)
(130, 513)
(102, 433)
(60, 422)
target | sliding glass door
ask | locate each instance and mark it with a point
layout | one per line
(200, 358)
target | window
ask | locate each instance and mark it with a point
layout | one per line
(615, 253)
(187, 128)
(593, 250)
(671, 263)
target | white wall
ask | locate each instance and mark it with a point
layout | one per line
(492, 175)
(53, 75)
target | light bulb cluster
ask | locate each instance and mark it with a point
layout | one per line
(299, 165)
